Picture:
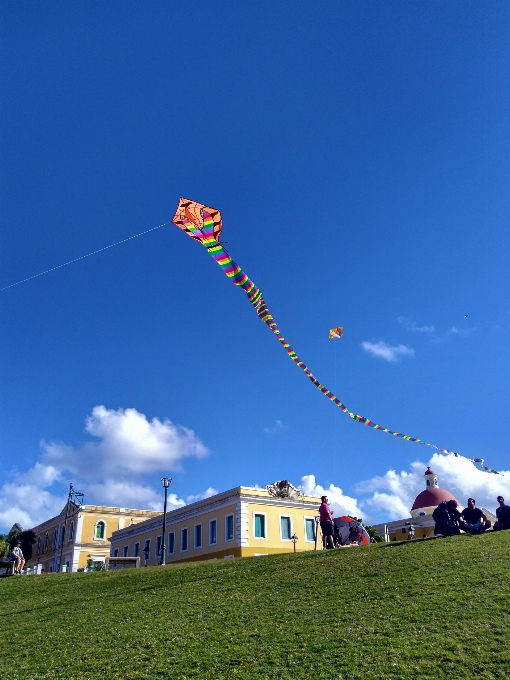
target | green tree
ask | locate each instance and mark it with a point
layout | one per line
(95, 565)
(4, 545)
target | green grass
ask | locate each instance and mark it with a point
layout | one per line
(423, 610)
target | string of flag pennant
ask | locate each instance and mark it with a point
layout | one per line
(204, 224)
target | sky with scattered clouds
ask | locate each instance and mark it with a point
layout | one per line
(359, 154)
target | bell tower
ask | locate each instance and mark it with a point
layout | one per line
(431, 479)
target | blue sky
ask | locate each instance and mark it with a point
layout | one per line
(359, 154)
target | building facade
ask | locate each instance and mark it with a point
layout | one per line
(242, 522)
(421, 512)
(82, 537)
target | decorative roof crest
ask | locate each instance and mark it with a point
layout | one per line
(283, 489)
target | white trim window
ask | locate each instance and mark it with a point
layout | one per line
(310, 529)
(171, 542)
(159, 541)
(46, 540)
(116, 552)
(197, 536)
(259, 525)
(285, 527)
(71, 531)
(38, 548)
(100, 530)
(55, 538)
(125, 551)
(213, 531)
(136, 550)
(62, 534)
(184, 539)
(229, 528)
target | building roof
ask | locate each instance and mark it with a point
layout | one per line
(428, 471)
(430, 497)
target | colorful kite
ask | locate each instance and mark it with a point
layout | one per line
(336, 332)
(204, 225)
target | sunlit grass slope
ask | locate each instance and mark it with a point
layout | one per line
(431, 609)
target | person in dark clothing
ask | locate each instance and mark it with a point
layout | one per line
(472, 519)
(503, 515)
(446, 516)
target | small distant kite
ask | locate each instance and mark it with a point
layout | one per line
(336, 332)
(204, 224)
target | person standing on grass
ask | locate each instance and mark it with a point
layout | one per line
(472, 519)
(18, 558)
(446, 516)
(503, 515)
(326, 521)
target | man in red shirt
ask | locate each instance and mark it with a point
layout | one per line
(326, 521)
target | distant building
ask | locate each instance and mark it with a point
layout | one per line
(242, 522)
(84, 536)
(421, 512)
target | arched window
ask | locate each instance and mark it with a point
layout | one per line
(62, 533)
(46, 539)
(38, 546)
(71, 531)
(100, 531)
(55, 538)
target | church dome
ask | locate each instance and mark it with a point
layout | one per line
(430, 497)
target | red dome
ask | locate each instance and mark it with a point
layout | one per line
(430, 497)
(429, 472)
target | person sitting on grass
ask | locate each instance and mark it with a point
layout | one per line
(472, 519)
(446, 516)
(503, 515)
(17, 557)
(355, 535)
(326, 521)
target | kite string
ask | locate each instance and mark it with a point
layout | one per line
(234, 272)
(82, 257)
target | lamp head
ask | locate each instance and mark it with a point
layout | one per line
(166, 482)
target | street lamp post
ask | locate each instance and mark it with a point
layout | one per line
(166, 483)
(294, 539)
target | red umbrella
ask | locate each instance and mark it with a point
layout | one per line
(351, 531)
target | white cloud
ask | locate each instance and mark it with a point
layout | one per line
(127, 449)
(202, 496)
(129, 444)
(464, 332)
(276, 428)
(410, 325)
(27, 504)
(338, 501)
(387, 352)
(393, 492)
(130, 495)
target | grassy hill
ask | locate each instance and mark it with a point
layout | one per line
(423, 610)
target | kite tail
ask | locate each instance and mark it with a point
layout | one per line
(239, 278)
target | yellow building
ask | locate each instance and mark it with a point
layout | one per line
(84, 535)
(242, 522)
(421, 519)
